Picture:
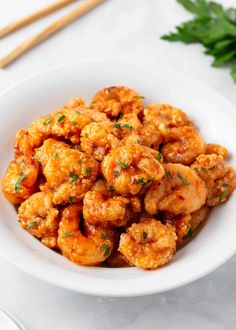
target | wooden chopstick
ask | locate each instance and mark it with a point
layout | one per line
(34, 17)
(49, 31)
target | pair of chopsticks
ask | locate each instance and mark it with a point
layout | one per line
(48, 31)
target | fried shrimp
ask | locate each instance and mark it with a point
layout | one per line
(164, 116)
(180, 191)
(198, 217)
(148, 244)
(216, 149)
(38, 216)
(97, 139)
(218, 176)
(90, 249)
(117, 100)
(19, 180)
(181, 223)
(70, 175)
(182, 145)
(129, 168)
(103, 208)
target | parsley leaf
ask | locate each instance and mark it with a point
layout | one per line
(122, 165)
(106, 249)
(18, 182)
(182, 179)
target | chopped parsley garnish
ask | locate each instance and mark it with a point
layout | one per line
(70, 200)
(121, 116)
(140, 180)
(104, 235)
(117, 125)
(204, 170)
(138, 141)
(138, 97)
(18, 182)
(145, 235)
(224, 193)
(169, 175)
(116, 173)
(74, 176)
(61, 118)
(111, 189)
(196, 170)
(80, 161)
(159, 156)
(73, 123)
(56, 156)
(122, 165)
(77, 112)
(182, 179)
(87, 170)
(32, 224)
(129, 127)
(106, 249)
(47, 121)
(68, 233)
(190, 233)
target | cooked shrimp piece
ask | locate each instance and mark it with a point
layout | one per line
(218, 176)
(150, 136)
(181, 223)
(39, 217)
(19, 180)
(97, 139)
(148, 244)
(182, 145)
(70, 175)
(23, 146)
(198, 217)
(102, 208)
(180, 191)
(117, 100)
(216, 149)
(90, 249)
(50, 148)
(129, 168)
(164, 116)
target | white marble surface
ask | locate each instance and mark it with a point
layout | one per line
(124, 30)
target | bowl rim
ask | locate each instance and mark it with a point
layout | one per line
(116, 291)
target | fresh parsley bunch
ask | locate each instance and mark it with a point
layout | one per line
(214, 27)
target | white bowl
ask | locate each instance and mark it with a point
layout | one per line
(40, 94)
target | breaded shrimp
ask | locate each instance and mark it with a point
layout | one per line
(164, 116)
(117, 100)
(218, 176)
(181, 223)
(97, 139)
(129, 168)
(19, 180)
(70, 175)
(103, 208)
(216, 149)
(50, 148)
(23, 146)
(180, 191)
(90, 249)
(39, 217)
(182, 145)
(148, 244)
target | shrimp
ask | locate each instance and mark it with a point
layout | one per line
(182, 145)
(51, 148)
(90, 249)
(70, 175)
(164, 116)
(180, 191)
(216, 149)
(218, 176)
(19, 180)
(39, 217)
(198, 217)
(23, 146)
(97, 139)
(117, 100)
(148, 244)
(117, 260)
(129, 168)
(103, 208)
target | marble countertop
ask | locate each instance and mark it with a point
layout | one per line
(119, 30)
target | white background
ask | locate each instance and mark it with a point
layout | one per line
(123, 30)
